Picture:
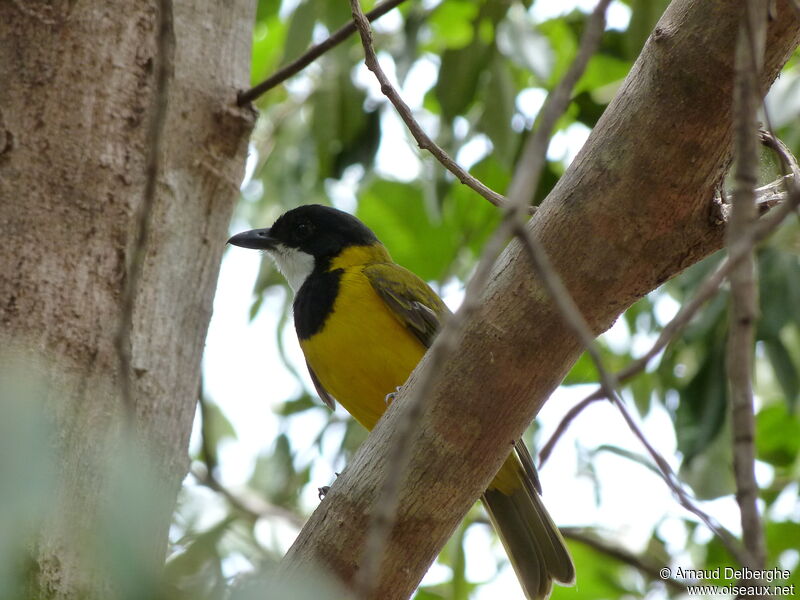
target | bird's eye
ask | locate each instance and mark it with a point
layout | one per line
(302, 231)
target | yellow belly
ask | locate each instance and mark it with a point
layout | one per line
(363, 353)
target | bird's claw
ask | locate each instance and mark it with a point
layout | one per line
(323, 491)
(391, 396)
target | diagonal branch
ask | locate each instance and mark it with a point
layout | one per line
(609, 384)
(529, 167)
(557, 102)
(790, 202)
(312, 54)
(423, 140)
(641, 563)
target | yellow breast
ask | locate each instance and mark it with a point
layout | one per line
(363, 352)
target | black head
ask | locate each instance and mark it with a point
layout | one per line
(320, 231)
(306, 239)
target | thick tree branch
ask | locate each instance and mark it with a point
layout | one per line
(631, 211)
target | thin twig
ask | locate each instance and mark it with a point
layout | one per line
(572, 315)
(529, 167)
(764, 227)
(252, 506)
(165, 49)
(312, 54)
(643, 564)
(787, 159)
(382, 521)
(744, 304)
(422, 138)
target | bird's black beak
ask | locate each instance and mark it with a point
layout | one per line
(255, 239)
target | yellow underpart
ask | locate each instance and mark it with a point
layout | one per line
(364, 352)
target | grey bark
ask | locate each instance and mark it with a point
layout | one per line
(76, 96)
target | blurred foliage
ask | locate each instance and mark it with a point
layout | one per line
(475, 73)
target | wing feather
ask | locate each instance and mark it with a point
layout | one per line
(409, 298)
(329, 400)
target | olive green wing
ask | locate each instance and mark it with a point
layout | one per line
(410, 299)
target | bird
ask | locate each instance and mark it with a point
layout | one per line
(352, 300)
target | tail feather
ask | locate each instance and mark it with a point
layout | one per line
(533, 543)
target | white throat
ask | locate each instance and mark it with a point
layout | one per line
(295, 265)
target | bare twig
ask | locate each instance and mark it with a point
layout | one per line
(787, 159)
(744, 304)
(575, 320)
(422, 138)
(763, 228)
(529, 167)
(252, 506)
(312, 54)
(567, 420)
(165, 49)
(643, 564)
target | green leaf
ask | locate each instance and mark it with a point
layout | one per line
(703, 402)
(499, 95)
(301, 26)
(598, 576)
(708, 473)
(297, 405)
(416, 237)
(601, 71)
(777, 435)
(564, 46)
(268, 40)
(582, 371)
(219, 427)
(784, 368)
(451, 23)
(458, 77)
(780, 537)
(196, 571)
(526, 46)
(275, 475)
(344, 133)
(462, 68)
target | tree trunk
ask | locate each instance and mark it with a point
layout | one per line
(633, 210)
(77, 97)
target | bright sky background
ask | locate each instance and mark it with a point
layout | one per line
(244, 375)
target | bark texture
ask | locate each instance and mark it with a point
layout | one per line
(632, 211)
(76, 97)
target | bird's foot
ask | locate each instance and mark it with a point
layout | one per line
(323, 491)
(392, 395)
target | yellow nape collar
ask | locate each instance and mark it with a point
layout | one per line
(354, 256)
